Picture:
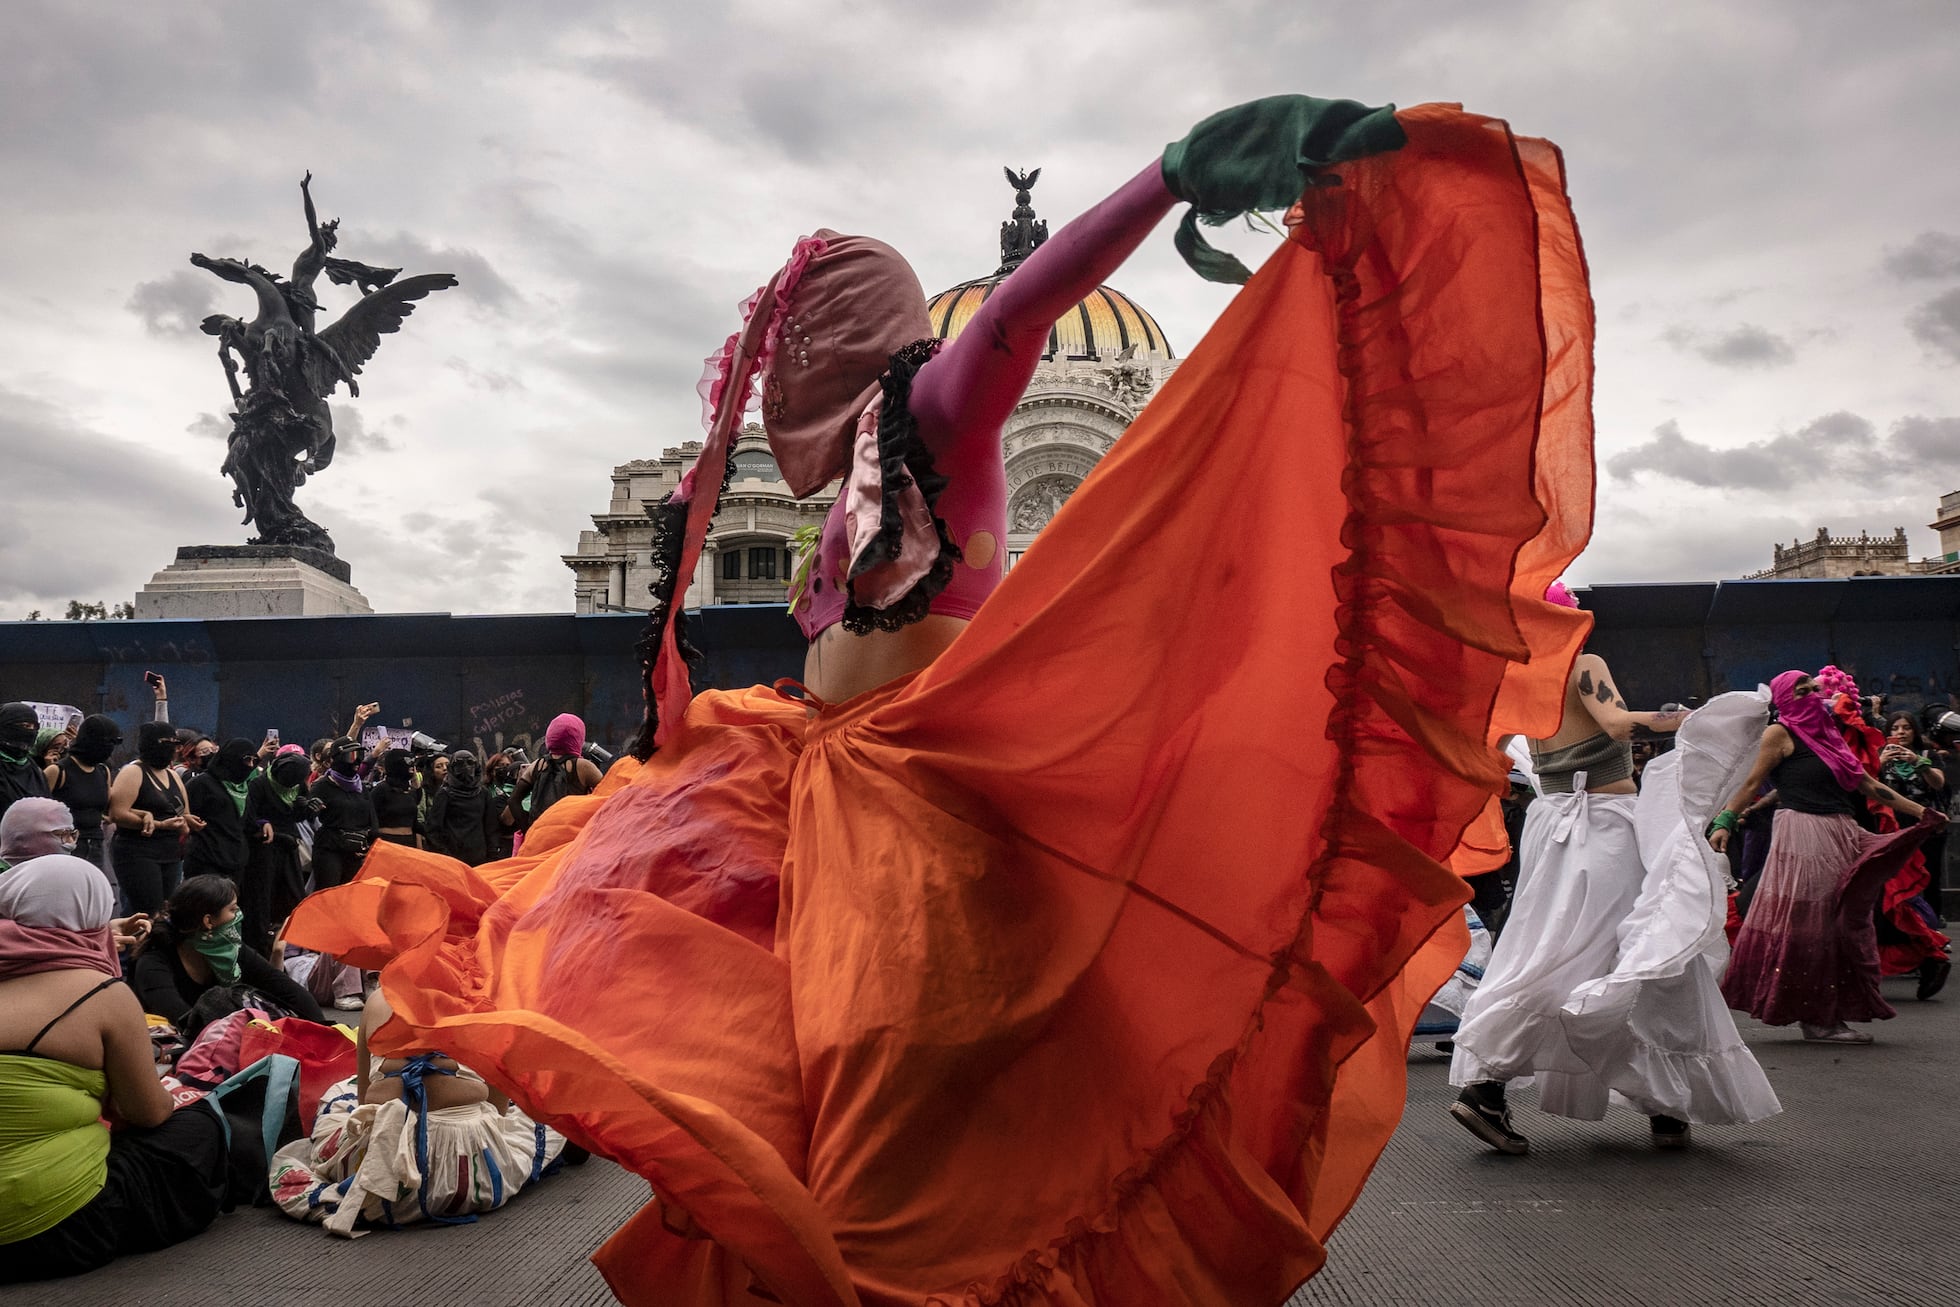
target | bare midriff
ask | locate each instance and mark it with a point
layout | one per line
(841, 666)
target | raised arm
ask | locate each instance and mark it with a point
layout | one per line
(976, 381)
(1594, 683)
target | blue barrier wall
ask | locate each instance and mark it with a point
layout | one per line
(494, 681)
(1900, 636)
(482, 681)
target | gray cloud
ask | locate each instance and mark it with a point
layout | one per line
(1746, 346)
(210, 426)
(1929, 256)
(353, 435)
(476, 279)
(497, 383)
(174, 305)
(1838, 448)
(90, 515)
(1936, 325)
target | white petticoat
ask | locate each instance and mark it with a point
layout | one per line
(1606, 976)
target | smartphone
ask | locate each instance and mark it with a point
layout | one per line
(151, 679)
(272, 735)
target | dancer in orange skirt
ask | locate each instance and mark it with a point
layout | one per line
(1061, 942)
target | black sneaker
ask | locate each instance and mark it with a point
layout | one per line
(1490, 1124)
(1669, 1132)
(1932, 976)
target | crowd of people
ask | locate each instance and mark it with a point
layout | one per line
(142, 902)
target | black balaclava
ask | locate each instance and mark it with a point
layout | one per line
(19, 724)
(395, 766)
(156, 744)
(291, 770)
(95, 739)
(344, 756)
(233, 761)
(465, 772)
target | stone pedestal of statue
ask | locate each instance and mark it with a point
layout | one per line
(251, 581)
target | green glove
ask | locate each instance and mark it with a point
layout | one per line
(1257, 156)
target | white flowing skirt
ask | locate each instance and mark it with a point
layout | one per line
(1606, 977)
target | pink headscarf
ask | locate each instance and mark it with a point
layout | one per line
(1806, 717)
(1556, 593)
(565, 736)
(54, 916)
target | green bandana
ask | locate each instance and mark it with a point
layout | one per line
(284, 793)
(237, 792)
(220, 948)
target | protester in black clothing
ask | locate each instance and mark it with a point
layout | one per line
(81, 780)
(466, 816)
(21, 776)
(151, 811)
(217, 796)
(196, 947)
(277, 797)
(396, 801)
(500, 777)
(347, 822)
(563, 771)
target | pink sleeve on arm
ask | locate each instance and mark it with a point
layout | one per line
(961, 398)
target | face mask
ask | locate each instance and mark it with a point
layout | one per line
(17, 739)
(92, 749)
(157, 756)
(219, 945)
(67, 843)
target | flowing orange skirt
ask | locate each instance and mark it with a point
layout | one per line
(1080, 967)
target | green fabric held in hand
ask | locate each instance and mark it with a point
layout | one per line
(1257, 156)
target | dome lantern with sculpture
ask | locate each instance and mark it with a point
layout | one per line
(1105, 358)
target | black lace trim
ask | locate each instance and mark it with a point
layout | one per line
(669, 541)
(903, 460)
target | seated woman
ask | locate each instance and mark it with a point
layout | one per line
(195, 948)
(77, 1191)
(410, 1139)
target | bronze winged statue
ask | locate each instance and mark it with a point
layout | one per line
(282, 428)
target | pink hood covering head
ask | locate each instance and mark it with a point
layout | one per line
(1556, 593)
(28, 829)
(850, 305)
(1809, 719)
(565, 736)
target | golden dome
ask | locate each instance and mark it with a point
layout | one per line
(1106, 319)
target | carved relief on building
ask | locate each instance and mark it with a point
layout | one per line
(1035, 504)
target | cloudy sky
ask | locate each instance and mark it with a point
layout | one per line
(1767, 191)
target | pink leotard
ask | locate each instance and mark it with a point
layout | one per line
(962, 398)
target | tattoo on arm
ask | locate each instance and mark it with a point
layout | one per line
(1605, 692)
(1585, 683)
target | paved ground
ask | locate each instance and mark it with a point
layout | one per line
(1849, 1197)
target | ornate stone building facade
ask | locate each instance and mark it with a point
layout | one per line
(1104, 360)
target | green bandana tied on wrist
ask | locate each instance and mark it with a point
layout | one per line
(219, 946)
(1257, 156)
